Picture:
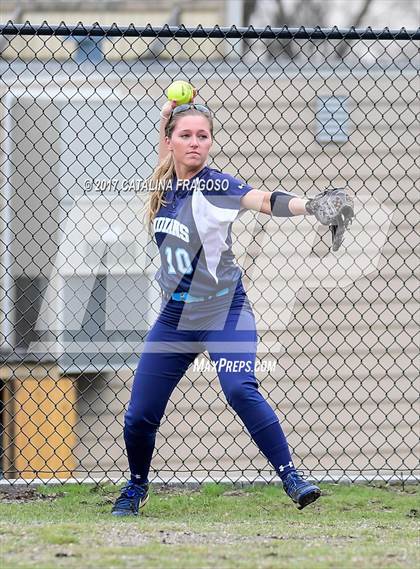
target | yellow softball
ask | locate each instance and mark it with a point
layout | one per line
(181, 92)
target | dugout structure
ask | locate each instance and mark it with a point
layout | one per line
(302, 109)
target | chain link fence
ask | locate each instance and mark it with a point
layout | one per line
(298, 109)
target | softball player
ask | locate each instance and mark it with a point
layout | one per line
(204, 305)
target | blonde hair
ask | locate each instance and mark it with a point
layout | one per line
(161, 179)
(158, 182)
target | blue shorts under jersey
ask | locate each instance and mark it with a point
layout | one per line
(193, 233)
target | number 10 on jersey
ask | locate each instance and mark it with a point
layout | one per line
(181, 259)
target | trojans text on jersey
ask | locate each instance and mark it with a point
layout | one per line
(172, 226)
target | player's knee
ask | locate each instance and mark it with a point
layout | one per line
(242, 393)
(139, 423)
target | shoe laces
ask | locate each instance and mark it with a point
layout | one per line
(131, 492)
(295, 479)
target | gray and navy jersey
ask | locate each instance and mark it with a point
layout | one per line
(193, 233)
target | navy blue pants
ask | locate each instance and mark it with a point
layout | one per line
(226, 328)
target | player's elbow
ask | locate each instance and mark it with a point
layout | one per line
(257, 200)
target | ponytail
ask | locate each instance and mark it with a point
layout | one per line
(158, 183)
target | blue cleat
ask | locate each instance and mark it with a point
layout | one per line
(301, 492)
(132, 498)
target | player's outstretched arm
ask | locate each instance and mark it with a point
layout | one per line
(280, 204)
(333, 207)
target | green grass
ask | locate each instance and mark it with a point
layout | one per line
(217, 526)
